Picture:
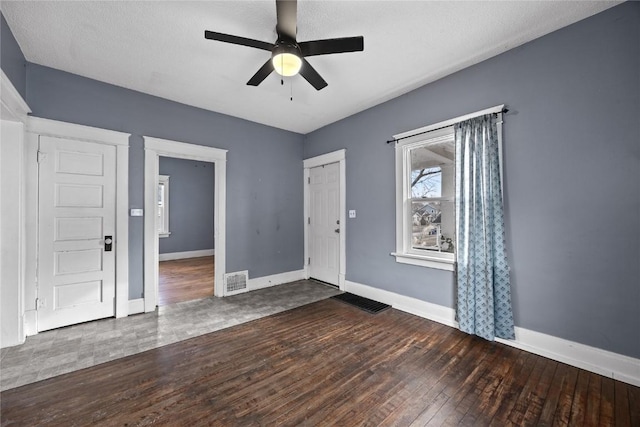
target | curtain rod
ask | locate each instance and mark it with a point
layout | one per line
(503, 111)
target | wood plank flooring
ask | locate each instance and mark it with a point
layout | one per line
(328, 363)
(185, 279)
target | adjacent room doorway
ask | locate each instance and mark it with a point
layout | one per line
(154, 149)
(185, 230)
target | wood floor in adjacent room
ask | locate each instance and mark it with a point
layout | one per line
(185, 279)
(328, 364)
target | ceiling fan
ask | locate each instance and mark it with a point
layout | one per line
(287, 55)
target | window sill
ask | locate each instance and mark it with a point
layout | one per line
(425, 261)
(161, 235)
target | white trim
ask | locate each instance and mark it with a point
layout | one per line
(186, 254)
(325, 159)
(14, 107)
(136, 306)
(122, 229)
(338, 156)
(612, 365)
(154, 148)
(12, 231)
(435, 312)
(31, 235)
(275, 279)
(424, 261)
(592, 359)
(13, 213)
(73, 131)
(496, 109)
(168, 148)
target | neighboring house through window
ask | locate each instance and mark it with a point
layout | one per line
(163, 206)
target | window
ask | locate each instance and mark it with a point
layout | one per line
(163, 206)
(425, 169)
(425, 194)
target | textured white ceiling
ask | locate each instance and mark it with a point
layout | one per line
(158, 47)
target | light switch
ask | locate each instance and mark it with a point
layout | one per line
(137, 212)
(352, 213)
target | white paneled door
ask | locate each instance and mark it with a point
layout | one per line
(76, 227)
(324, 223)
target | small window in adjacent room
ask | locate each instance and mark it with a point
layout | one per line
(163, 206)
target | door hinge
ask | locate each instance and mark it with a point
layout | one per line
(309, 220)
(309, 263)
(308, 180)
(42, 156)
(40, 303)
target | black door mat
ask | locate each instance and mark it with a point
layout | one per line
(366, 304)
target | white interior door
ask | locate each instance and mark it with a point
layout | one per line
(324, 223)
(76, 211)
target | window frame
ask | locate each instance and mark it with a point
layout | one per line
(405, 253)
(164, 218)
(415, 138)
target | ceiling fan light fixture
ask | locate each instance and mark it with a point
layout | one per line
(286, 60)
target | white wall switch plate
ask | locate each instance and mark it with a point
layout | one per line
(352, 213)
(137, 212)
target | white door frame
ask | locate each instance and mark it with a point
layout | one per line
(324, 159)
(13, 116)
(37, 126)
(153, 149)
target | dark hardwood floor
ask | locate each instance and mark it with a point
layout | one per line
(185, 279)
(328, 364)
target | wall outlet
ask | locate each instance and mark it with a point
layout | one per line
(137, 212)
(352, 213)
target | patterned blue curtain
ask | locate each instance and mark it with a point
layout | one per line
(484, 289)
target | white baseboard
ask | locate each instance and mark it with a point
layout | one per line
(188, 254)
(606, 363)
(275, 279)
(437, 313)
(136, 306)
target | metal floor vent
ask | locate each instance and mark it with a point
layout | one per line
(235, 283)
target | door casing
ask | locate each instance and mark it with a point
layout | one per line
(338, 156)
(153, 149)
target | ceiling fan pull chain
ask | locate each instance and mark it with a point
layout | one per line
(291, 82)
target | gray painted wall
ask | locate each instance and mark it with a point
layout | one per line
(572, 179)
(191, 194)
(11, 58)
(264, 210)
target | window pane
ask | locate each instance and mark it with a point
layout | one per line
(432, 225)
(426, 182)
(161, 194)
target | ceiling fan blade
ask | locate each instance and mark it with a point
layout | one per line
(287, 12)
(311, 75)
(326, 47)
(262, 74)
(243, 41)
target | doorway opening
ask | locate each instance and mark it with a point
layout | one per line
(215, 158)
(185, 228)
